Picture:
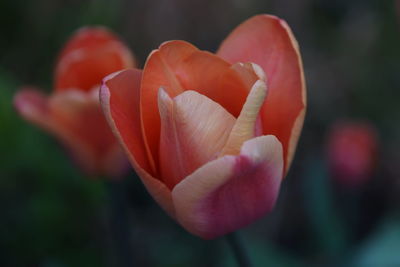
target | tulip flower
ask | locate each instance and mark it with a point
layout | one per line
(352, 149)
(212, 135)
(72, 112)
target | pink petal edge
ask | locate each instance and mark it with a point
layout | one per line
(232, 191)
(32, 105)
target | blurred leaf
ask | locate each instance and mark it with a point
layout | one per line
(261, 253)
(328, 228)
(47, 207)
(382, 247)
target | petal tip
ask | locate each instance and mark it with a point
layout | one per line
(164, 101)
(104, 96)
(29, 102)
(111, 76)
(259, 72)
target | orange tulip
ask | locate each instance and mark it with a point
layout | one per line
(212, 135)
(352, 151)
(72, 112)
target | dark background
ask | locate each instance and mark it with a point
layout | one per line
(53, 216)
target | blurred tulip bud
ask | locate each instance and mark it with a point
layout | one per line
(352, 152)
(72, 112)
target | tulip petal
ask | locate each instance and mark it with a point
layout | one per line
(268, 41)
(91, 54)
(194, 129)
(120, 102)
(232, 191)
(245, 125)
(156, 74)
(178, 66)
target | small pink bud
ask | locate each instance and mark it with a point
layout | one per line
(352, 152)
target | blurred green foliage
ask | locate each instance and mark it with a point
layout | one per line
(48, 208)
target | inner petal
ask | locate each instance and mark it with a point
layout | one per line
(194, 129)
(245, 127)
(178, 66)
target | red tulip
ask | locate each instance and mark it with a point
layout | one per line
(352, 149)
(212, 135)
(72, 112)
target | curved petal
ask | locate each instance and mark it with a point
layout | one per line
(156, 74)
(232, 191)
(178, 66)
(268, 41)
(194, 129)
(91, 54)
(120, 102)
(246, 124)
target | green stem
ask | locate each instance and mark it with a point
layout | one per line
(120, 221)
(238, 250)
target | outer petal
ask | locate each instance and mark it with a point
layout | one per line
(178, 66)
(120, 102)
(90, 54)
(75, 118)
(232, 191)
(268, 41)
(194, 129)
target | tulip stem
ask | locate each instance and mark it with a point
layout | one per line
(238, 250)
(120, 220)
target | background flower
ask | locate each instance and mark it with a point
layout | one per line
(72, 112)
(352, 151)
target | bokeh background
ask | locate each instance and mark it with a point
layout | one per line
(51, 215)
